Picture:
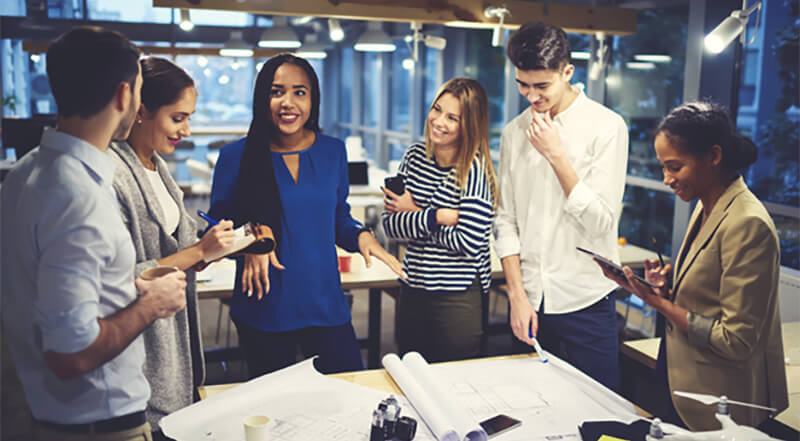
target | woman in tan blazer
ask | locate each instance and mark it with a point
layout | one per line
(723, 333)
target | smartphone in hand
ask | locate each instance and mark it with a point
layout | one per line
(613, 267)
(396, 184)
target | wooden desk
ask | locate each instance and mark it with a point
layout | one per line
(375, 279)
(646, 352)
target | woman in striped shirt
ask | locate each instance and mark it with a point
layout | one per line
(445, 213)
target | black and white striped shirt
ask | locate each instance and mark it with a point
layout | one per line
(442, 257)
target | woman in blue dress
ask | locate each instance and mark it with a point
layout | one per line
(289, 176)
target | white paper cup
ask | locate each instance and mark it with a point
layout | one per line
(157, 271)
(256, 428)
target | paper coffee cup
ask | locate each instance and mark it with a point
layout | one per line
(256, 428)
(157, 271)
(344, 263)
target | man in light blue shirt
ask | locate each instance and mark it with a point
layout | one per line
(71, 312)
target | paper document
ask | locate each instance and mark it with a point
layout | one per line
(445, 418)
(302, 404)
(551, 399)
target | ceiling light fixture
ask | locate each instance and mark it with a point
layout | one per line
(580, 55)
(653, 58)
(722, 35)
(498, 34)
(186, 21)
(640, 65)
(280, 35)
(236, 46)
(312, 49)
(335, 30)
(600, 57)
(374, 39)
(431, 41)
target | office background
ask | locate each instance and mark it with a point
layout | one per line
(383, 97)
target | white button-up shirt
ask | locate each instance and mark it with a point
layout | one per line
(67, 261)
(537, 221)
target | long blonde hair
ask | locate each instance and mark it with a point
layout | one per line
(473, 131)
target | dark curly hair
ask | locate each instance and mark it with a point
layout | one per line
(539, 46)
(700, 125)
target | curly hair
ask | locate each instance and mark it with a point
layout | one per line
(698, 126)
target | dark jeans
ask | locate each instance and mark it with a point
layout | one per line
(440, 325)
(267, 352)
(587, 339)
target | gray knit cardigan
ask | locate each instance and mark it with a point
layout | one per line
(174, 364)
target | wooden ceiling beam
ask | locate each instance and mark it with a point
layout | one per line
(465, 13)
(35, 47)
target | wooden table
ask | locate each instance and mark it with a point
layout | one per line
(376, 279)
(646, 352)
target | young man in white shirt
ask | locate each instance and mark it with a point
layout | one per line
(562, 174)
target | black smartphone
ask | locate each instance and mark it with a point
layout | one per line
(499, 424)
(614, 267)
(396, 184)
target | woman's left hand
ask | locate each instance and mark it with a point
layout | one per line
(368, 246)
(394, 203)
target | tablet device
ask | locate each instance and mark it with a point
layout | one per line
(614, 267)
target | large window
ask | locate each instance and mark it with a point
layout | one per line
(400, 81)
(647, 215)
(13, 8)
(345, 85)
(125, 10)
(645, 81)
(769, 113)
(225, 88)
(486, 64)
(370, 91)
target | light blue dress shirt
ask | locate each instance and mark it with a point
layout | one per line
(67, 261)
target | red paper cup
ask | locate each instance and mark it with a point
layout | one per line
(344, 263)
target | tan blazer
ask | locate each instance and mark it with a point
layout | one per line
(730, 273)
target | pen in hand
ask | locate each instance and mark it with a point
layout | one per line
(661, 261)
(537, 346)
(660, 258)
(207, 218)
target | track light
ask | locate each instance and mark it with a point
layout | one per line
(734, 25)
(280, 35)
(374, 39)
(335, 30)
(498, 34)
(600, 57)
(236, 46)
(186, 21)
(431, 41)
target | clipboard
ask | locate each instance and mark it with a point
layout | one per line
(249, 238)
(614, 267)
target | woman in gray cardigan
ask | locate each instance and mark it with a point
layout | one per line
(163, 233)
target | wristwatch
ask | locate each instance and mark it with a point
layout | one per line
(363, 229)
